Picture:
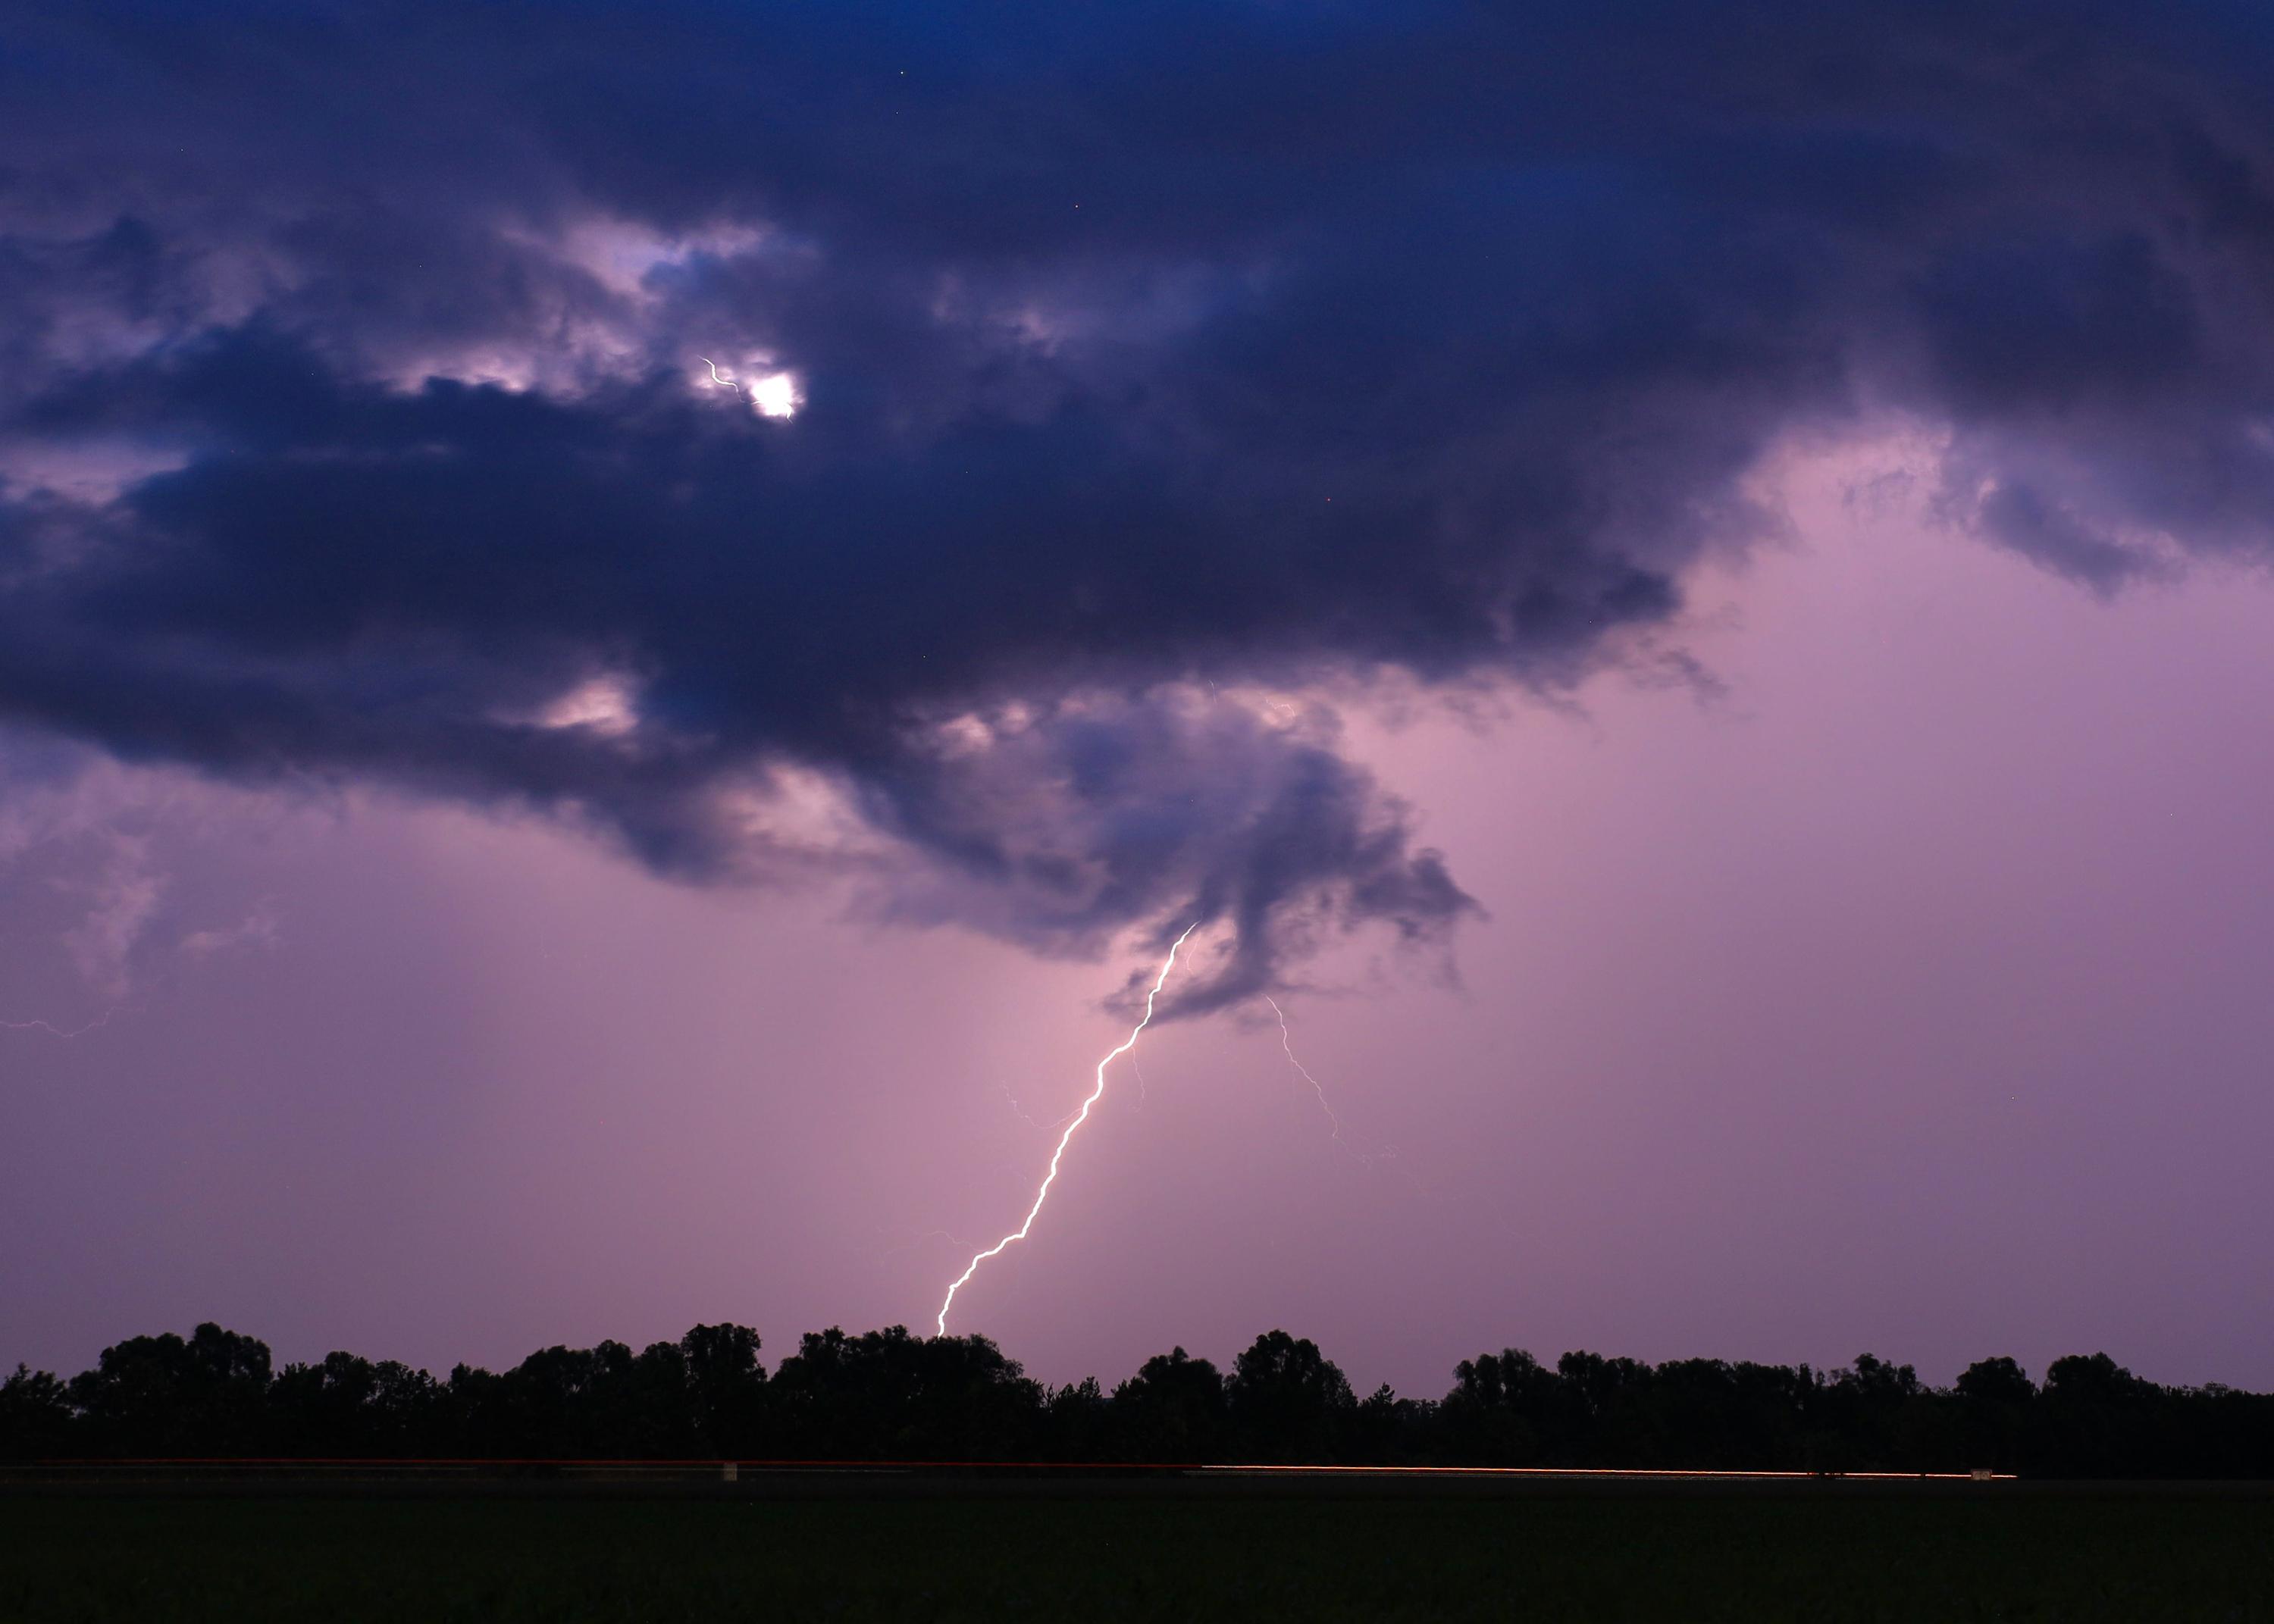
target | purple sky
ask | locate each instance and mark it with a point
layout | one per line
(1907, 996)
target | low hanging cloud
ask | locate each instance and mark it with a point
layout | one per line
(1056, 825)
(677, 413)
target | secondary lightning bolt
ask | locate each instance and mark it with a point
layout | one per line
(53, 1030)
(1287, 1043)
(1020, 1111)
(1097, 1091)
(723, 382)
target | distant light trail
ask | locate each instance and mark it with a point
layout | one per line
(1740, 1474)
(1096, 1092)
(615, 1465)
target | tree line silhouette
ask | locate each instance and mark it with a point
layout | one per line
(889, 1395)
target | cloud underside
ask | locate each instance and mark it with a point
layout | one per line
(942, 445)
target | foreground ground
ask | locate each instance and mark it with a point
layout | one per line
(987, 1550)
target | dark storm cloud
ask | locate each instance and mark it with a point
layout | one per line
(355, 425)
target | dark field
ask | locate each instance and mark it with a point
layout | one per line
(1051, 1550)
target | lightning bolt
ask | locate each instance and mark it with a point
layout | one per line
(929, 1235)
(53, 1030)
(1020, 1111)
(1096, 1092)
(723, 382)
(1287, 1043)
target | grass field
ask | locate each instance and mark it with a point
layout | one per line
(440, 1556)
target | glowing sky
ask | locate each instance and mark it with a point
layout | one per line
(616, 658)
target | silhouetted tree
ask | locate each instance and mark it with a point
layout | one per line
(1875, 1418)
(159, 1395)
(1389, 1430)
(1606, 1404)
(654, 1409)
(888, 1395)
(554, 1402)
(1173, 1408)
(1289, 1402)
(1707, 1412)
(1501, 1410)
(1994, 1396)
(36, 1415)
(347, 1406)
(2096, 1419)
(1079, 1423)
(728, 1389)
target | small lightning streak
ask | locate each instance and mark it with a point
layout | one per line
(1097, 1091)
(1287, 1043)
(929, 1235)
(53, 1030)
(728, 383)
(1020, 1111)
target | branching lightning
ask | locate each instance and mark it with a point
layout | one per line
(1096, 1092)
(1020, 1111)
(927, 1236)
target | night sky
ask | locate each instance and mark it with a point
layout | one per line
(626, 631)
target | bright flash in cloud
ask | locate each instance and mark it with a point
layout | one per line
(605, 704)
(771, 394)
(776, 395)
